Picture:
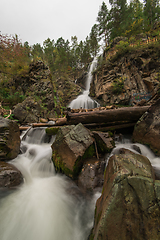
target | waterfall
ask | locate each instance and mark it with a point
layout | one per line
(43, 208)
(138, 149)
(83, 100)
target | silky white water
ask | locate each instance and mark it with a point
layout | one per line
(83, 100)
(139, 149)
(43, 208)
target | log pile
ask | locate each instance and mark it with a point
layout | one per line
(109, 119)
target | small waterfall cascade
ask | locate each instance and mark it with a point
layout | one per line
(83, 100)
(43, 208)
(138, 149)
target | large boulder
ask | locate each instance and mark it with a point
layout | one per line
(129, 207)
(9, 139)
(147, 129)
(29, 111)
(72, 145)
(10, 176)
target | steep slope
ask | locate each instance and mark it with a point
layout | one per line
(127, 73)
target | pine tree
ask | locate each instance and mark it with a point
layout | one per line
(135, 18)
(62, 52)
(103, 20)
(151, 13)
(93, 38)
(118, 18)
(48, 46)
(37, 51)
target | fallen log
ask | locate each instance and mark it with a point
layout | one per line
(110, 127)
(59, 122)
(114, 118)
(23, 128)
(130, 114)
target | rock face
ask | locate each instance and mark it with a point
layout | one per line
(126, 78)
(81, 81)
(9, 175)
(29, 111)
(9, 139)
(147, 129)
(129, 207)
(45, 97)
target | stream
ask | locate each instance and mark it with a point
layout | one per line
(43, 207)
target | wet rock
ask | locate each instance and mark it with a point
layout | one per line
(91, 177)
(72, 145)
(9, 139)
(81, 81)
(147, 129)
(10, 176)
(129, 207)
(104, 142)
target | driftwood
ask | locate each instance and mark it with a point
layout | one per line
(129, 114)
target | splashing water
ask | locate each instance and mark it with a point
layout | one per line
(41, 208)
(83, 100)
(139, 149)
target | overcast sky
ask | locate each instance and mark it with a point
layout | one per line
(36, 20)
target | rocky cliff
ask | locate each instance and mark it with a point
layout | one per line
(45, 95)
(127, 73)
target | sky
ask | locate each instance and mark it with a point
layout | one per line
(36, 20)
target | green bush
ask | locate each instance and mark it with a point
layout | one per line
(13, 99)
(118, 86)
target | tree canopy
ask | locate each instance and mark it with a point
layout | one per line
(64, 56)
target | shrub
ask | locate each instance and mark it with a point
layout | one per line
(118, 86)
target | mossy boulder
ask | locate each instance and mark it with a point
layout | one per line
(9, 139)
(52, 130)
(129, 207)
(73, 144)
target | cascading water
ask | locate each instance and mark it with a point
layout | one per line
(43, 208)
(138, 149)
(83, 100)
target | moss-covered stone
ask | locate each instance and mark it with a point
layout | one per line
(60, 165)
(129, 205)
(52, 130)
(72, 145)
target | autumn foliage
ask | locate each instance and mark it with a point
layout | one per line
(14, 57)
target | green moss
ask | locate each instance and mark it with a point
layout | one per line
(60, 166)
(90, 152)
(52, 130)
